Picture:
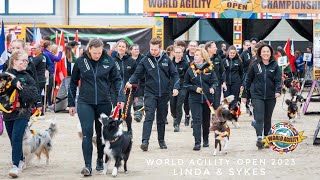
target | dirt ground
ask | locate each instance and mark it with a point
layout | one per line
(179, 161)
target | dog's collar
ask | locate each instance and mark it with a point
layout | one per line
(114, 140)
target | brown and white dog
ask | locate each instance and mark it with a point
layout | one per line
(294, 105)
(94, 137)
(221, 131)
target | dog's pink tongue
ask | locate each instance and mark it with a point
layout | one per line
(116, 112)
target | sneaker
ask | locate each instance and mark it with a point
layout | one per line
(197, 147)
(162, 145)
(205, 144)
(259, 144)
(99, 166)
(86, 171)
(253, 123)
(14, 172)
(176, 129)
(144, 146)
(22, 165)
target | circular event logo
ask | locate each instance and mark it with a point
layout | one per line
(283, 137)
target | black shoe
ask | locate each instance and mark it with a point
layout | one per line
(176, 129)
(137, 119)
(205, 144)
(99, 166)
(162, 145)
(86, 171)
(259, 144)
(187, 120)
(144, 146)
(197, 147)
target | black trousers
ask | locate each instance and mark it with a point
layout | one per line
(217, 97)
(89, 114)
(49, 90)
(233, 89)
(153, 104)
(176, 103)
(201, 117)
(262, 113)
(186, 105)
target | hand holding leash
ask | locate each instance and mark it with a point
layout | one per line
(175, 92)
(199, 90)
(224, 86)
(211, 90)
(128, 85)
(19, 86)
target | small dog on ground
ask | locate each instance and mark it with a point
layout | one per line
(38, 142)
(221, 131)
(294, 105)
(118, 143)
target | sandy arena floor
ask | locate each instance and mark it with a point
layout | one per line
(179, 161)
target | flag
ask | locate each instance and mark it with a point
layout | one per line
(38, 37)
(3, 49)
(57, 38)
(61, 70)
(13, 36)
(76, 38)
(34, 32)
(289, 49)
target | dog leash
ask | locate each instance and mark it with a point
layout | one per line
(35, 116)
(13, 99)
(124, 116)
(208, 102)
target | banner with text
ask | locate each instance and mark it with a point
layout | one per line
(249, 9)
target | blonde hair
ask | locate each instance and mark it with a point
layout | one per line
(204, 55)
(19, 41)
(54, 49)
(15, 56)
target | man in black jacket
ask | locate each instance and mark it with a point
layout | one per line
(157, 69)
(219, 69)
(246, 57)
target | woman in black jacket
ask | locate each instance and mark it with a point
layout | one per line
(17, 121)
(126, 67)
(264, 83)
(96, 71)
(200, 79)
(176, 102)
(234, 73)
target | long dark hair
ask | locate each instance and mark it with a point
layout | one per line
(259, 59)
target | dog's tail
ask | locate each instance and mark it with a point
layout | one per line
(228, 99)
(52, 129)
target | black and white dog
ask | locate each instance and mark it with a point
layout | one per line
(118, 143)
(294, 105)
